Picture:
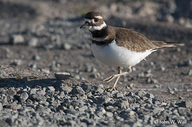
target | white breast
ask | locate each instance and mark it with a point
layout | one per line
(114, 55)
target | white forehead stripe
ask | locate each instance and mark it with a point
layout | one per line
(88, 20)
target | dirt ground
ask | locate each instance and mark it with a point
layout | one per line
(165, 73)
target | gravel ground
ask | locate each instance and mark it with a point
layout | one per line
(40, 38)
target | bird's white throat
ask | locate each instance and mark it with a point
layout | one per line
(93, 28)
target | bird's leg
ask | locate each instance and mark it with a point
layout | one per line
(119, 72)
(118, 75)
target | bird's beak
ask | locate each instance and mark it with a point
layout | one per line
(84, 25)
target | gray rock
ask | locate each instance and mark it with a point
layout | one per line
(66, 46)
(77, 90)
(188, 63)
(38, 97)
(149, 95)
(140, 93)
(24, 96)
(45, 70)
(119, 95)
(36, 57)
(50, 89)
(110, 108)
(16, 39)
(13, 106)
(2, 74)
(109, 114)
(102, 100)
(33, 42)
(190, 72)
(182, 111)
(123, 103)
(188, 104)
(1, 106)
(170, 90)
(11, 92)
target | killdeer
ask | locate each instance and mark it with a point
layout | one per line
(119, 47)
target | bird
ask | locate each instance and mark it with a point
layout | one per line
(119, 47)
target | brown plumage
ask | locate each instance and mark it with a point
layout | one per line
(132, 40)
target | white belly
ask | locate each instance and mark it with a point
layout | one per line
(114, 55)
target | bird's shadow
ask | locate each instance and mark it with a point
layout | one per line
(28, 82)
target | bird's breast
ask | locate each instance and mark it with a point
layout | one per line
(113, 55)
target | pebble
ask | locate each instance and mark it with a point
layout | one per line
(16, 39)
(36, 57)
(32, 42)
(62, 75)
(190, 72)
(86, 105)
(188, 63)
(24, 96)
(66, 46)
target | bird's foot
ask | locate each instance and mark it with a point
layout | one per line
(110, 89)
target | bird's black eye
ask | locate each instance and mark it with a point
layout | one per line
(96, 19)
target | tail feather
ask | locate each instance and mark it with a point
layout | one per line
(162, 44)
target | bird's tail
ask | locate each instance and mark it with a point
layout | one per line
(162, 44)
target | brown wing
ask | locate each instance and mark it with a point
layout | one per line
(133, 40)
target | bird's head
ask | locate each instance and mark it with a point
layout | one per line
(94, 21)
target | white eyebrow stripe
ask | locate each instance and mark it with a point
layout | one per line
(99, 17)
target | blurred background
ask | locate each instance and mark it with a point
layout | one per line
(43, 36)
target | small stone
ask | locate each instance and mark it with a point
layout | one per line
(66, 46)
(149, 95)
(50, 88)
(188, 63)
(33, 42)
(156, 86)
(140, 93)
(62, 75)
(23, 97)
(16, 62)
(182, 111)
(170, 90)
(141, 75)
(16, 39)
(123, 103)
(38, 97)
(102, 100)
(77, 90)
(12, 106)
(188, 104)
(45, 70)
(190, 72)
(11, 92)
(1, 106)
(110, 108)
(36, 57)
(109, 114)
(119, 95)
